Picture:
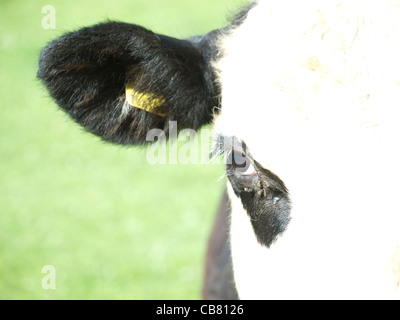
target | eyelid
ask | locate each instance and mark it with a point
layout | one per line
(229, 156)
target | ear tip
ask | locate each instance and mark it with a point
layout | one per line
(43, 68)
(47, 56)
(42, 63)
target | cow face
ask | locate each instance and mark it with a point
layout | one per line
(303, 104)
(120, 81)
(311, 93)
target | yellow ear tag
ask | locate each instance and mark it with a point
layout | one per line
(146, 101)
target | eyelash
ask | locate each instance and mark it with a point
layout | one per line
(238, 161)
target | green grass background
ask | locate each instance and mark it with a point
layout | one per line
(112, 225)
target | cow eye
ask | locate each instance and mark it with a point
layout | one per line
(241, 164)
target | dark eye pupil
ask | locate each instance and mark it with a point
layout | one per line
(240, 162)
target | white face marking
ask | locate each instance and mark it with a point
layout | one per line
(314, 92)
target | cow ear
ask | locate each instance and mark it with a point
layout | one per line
(120, 80)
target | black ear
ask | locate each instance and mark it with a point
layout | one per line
(120, 80)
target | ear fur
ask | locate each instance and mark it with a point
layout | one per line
(87, 73)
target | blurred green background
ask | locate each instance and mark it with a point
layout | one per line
(112, 225)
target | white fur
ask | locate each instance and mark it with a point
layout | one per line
(313, 88)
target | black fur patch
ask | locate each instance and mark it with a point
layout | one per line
(267, 205)
(264, 196)
(86, 72)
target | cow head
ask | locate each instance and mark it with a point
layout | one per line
(301, 101)
(119, 81)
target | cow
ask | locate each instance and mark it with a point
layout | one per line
(303, 97)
